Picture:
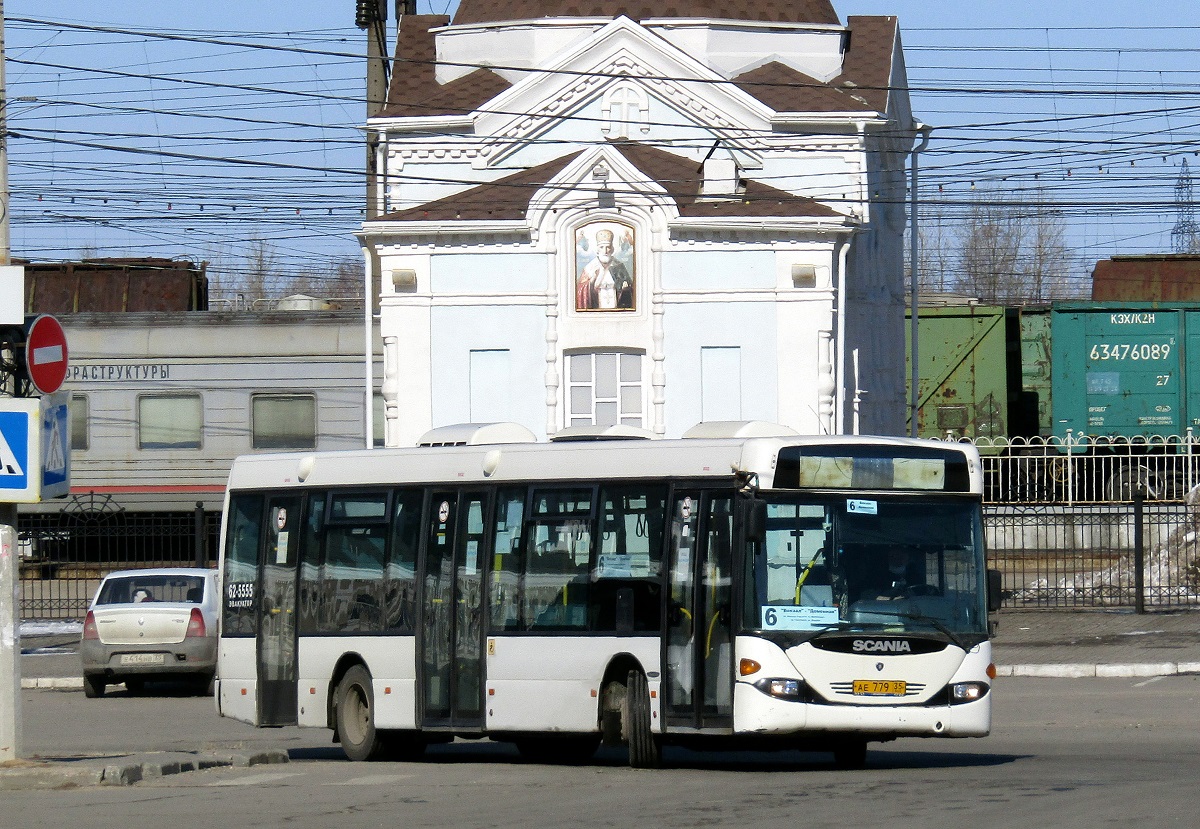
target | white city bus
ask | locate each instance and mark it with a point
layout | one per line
(816, 593)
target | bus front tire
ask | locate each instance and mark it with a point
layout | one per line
(645, 751)
(356, 716)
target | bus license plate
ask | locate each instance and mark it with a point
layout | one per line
(880, 687)
(141, 659)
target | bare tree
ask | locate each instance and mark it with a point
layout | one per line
(1012, 251)
(261, 275)
(989, 250)
(340, 278)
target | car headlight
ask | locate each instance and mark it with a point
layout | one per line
(788, 689)
(961, 692)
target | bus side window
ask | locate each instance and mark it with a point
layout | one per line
(504, 588)
(400, 576)
(309, 610)
(626, 593)
(556, 574)
(241, 562)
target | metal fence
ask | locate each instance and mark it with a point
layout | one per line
(64, 555)
(1084, 470)
(1140, 554)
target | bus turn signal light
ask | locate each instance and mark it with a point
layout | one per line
(748, 666)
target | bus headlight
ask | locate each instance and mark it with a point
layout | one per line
(789, 689)
(967, 692)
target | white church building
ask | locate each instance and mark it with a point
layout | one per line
(593, 213)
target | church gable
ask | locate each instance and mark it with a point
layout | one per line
(634, 84)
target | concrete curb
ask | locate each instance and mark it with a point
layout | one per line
(57, 683)
(85, 772)
(1077, 670)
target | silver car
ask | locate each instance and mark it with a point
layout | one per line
(158, 624)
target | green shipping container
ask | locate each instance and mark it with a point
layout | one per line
(1120, 369)
(967, 373)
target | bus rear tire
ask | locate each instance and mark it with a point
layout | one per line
(645, 752)
(356, 716)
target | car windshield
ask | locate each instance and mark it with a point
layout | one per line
(904, 563)
(152, 587)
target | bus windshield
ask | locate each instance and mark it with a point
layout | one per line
(876, 561)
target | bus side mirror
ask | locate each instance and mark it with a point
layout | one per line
(756, 520)
(995, 590)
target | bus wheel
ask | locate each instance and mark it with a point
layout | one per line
(356, 716)
(644, 749)
(850, 754)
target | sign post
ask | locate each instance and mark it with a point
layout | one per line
(10, 621)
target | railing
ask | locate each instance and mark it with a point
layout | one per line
(1140, 554)
(1085, 470)
(64, 555)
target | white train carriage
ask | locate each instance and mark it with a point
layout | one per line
(162, 403)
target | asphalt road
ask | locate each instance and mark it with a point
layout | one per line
(1068, 752)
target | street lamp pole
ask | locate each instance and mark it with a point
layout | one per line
(923, 130)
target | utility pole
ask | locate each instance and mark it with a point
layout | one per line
(10, 570)
(371, 15)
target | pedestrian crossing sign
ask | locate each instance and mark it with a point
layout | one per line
(35, 449)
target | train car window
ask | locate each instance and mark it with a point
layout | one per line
(170, 421)
(79, 409)
(283, 421)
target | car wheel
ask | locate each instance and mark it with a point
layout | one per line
(356, 716)
(93, 685)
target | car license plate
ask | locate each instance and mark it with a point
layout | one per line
(141, 659)
(880, 687)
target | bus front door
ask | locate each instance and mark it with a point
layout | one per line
(451, 660)
(699, 640)
(277, 615)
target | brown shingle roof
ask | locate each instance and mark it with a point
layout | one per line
(505, 199)
(868, 61)
(508, 198)
(682, 177)
(863, 84)
(783, 11)
(414, 91)
(784, 89)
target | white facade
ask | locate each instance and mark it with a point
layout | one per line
(760, 249)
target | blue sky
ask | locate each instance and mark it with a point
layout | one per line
(201, 130)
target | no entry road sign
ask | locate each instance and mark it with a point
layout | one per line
(46, 354)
